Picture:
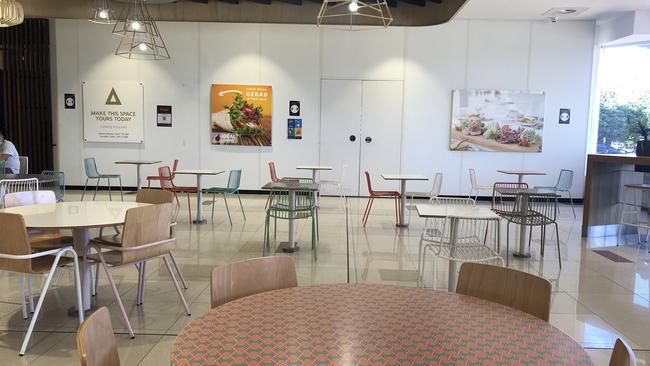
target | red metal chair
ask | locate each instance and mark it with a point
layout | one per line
(274, 177)
(157, 177)
(375, 194)
(166, 179)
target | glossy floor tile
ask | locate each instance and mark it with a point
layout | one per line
(595, 300)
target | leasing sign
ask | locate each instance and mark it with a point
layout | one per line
(112, 111)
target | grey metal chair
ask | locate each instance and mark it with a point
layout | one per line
(433, 193)
(57, 186)
(233, 188)
(91, 173)
(564, 183)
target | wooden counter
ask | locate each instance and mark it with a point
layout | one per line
(606, 175)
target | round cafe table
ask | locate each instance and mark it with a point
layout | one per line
(371, 324)
(80, 217)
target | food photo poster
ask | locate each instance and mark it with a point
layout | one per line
(241, 114)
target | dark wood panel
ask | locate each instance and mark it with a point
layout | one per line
(27, 91)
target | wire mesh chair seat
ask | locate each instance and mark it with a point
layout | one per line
(504, 196)
(16, 185)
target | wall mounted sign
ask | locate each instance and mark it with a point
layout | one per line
(69, 101)
(164, 113)
(565, 116)
(294, 128)
(497, 120)
(294, 108)
(112, 111)
(241, 114)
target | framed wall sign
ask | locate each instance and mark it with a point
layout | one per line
(164, 115)
(113, 111)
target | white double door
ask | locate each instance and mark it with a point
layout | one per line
(361, 127)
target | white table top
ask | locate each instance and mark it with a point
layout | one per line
(69, 215)
(464, 211)
(404, 177)
(138, 162)
(199, 171)
(520, 172)
(314, 167)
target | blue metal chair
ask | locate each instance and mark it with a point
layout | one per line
(233, 188)
(92, 173)
(564, 183)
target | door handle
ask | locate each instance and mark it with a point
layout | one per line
(368, 139)
(353, 138)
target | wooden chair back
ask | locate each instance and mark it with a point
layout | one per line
(239, 279)
(29, 198)
(146, 225)
(623, 355)
(96, 342)
(14, 241)
(520, 290)
(154, 196)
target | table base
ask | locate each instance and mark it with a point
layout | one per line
(402, 225)
(199, 221)
(521, 255)
(284, 247)
(74, 313)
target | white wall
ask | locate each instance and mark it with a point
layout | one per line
(555, 58)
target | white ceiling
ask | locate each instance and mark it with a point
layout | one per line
(533, 9)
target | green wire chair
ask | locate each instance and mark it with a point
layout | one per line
(304, 208)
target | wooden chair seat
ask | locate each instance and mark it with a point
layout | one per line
(49, 240)
(43, 265)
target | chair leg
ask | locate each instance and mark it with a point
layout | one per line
(543, 239)
(214, 195)
(241, 206)
(420, 264)
(314, 236)
(31, 294)
(84, 192)
(23, 305)
(39, 305)
(125, 318)
(410, 210)
(121, 190)
(508, 244)
(225, 201)
(189, 207)
(77, 279)
(178, 270)
(110, 197)
(96, 284)
(397, 212)
(342, 196)
(366, 213)
(557, 238)
(178, 288)
(266, 247)
(572, 208)
(96, 188)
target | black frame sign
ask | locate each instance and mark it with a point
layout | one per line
(164, 114)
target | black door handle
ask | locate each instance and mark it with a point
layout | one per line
(368, 139)
(353, 138)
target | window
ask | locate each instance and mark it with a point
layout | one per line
(624, 80)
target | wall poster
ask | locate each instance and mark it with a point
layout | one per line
(497, 120)
(294, 128)
(164, 116)
(241, 114)
(113, 111)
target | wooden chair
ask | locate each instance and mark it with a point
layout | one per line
(244, 278)
(374, 194)
(96, 342)
(623, 355)
(145, 237)
(520, 290)
(17, 256)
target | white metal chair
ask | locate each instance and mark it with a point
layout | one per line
(476, 188)
(476, 240)
(16, 185)
(337, 183)
(17, 256)
(434, 192)
(564, 183)
(24, 165)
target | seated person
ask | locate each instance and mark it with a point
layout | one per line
(9, 155)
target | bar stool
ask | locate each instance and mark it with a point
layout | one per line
(635, 210)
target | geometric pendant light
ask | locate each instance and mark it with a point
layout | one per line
(11, 13)
(101, 13)
(354, 14)
(141, 38)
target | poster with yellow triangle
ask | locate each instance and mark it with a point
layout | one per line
(113, 111)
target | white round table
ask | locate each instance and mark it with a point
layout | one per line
(80, 217)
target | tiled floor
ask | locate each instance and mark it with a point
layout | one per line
(595, 300)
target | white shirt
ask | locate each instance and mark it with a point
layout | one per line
(13, 163)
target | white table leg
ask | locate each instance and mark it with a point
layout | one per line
(520, 178)
(523, 248)
(453, 271)
(199, 199)
(138, 185)
(313, 175)
(402, 204)
(291, 246)
(81, 239)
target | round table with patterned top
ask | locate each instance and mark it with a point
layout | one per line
(368, 325)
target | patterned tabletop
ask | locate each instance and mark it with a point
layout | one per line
(370, 325)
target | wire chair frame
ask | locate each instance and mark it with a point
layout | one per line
(57, 186)
(16, 185)
(504, 202)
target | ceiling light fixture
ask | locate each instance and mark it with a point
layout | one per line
(11, 13)
(101, 13)
(354, 14)
(141, 38)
